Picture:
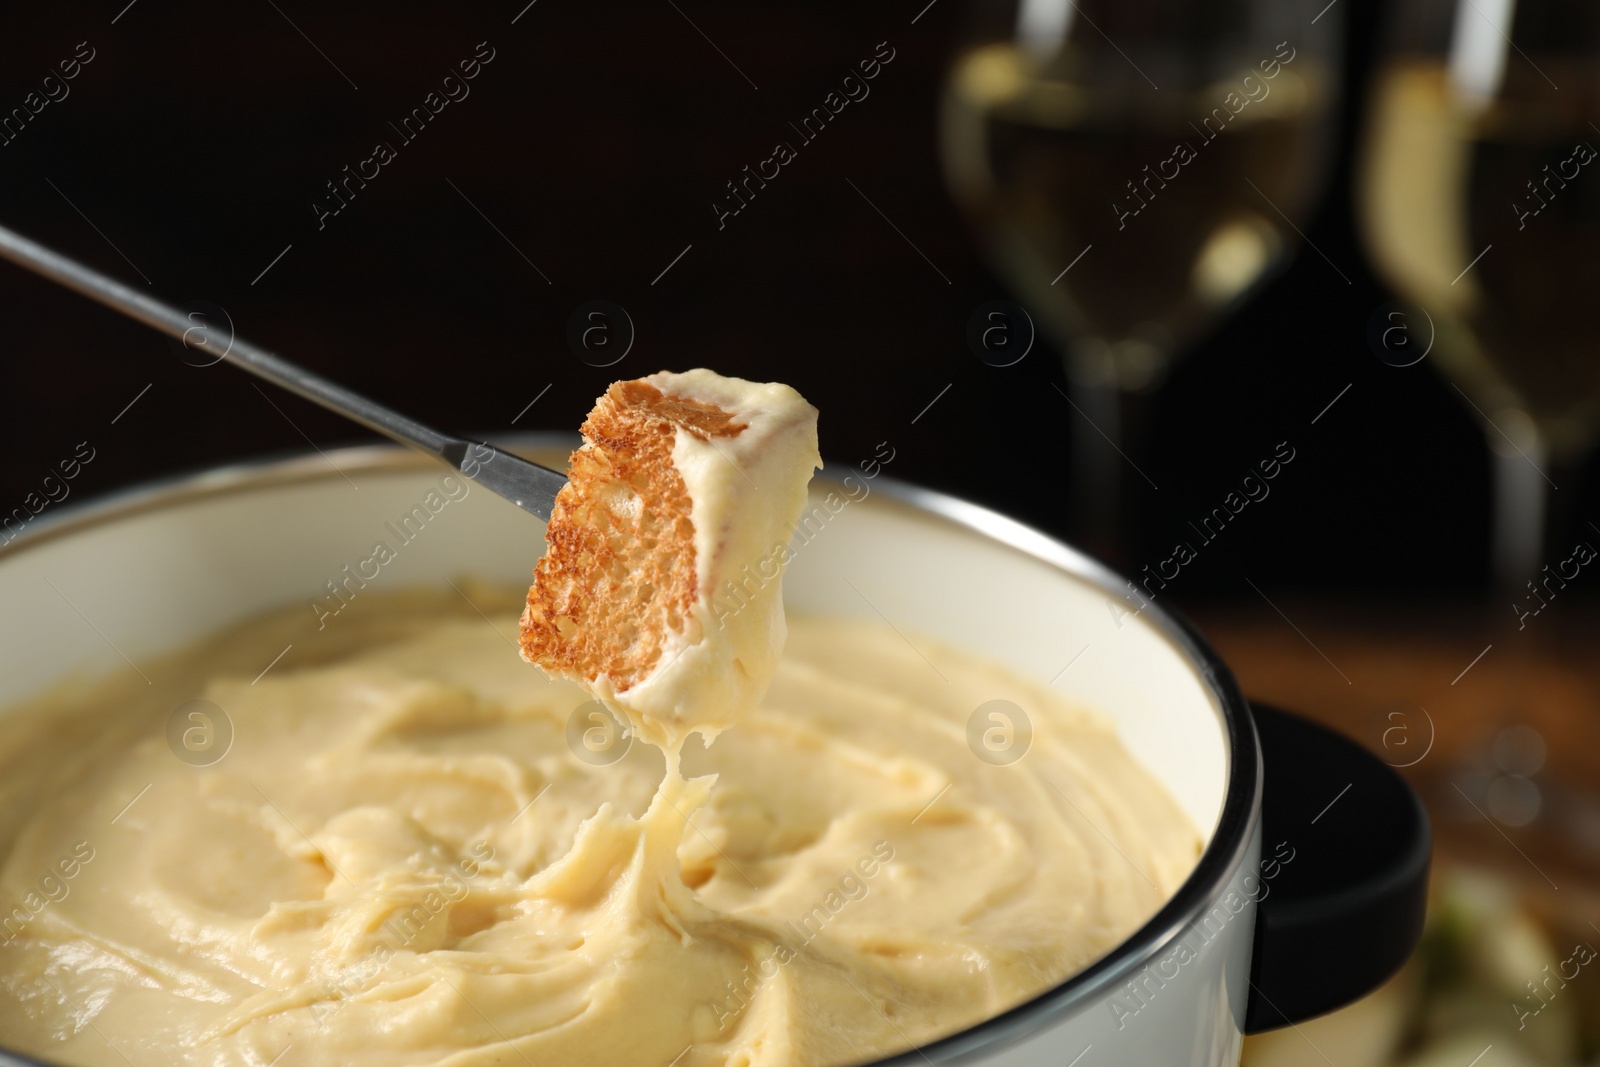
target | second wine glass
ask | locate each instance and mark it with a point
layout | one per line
(1480, 203)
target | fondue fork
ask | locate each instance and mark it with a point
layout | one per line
(527, 485)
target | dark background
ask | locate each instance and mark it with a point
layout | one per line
(197, 139)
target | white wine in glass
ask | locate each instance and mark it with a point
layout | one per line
(1479, 197)
(1133, 170)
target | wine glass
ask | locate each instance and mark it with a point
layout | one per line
(1479, 203)
(1134, 168)
(1478, 190)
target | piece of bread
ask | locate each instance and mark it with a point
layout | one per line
(682, 480)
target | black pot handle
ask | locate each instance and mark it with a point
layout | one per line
(1345, 850)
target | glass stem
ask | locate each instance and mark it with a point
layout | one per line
(1096, 488)
(1521, 508)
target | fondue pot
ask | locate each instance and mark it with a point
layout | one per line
(1310, 888)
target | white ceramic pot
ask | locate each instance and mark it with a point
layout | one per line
(1284, 917)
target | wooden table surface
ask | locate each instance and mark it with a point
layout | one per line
(1430, 689)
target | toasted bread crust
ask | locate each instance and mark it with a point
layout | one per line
(698, 417)
(618, 580)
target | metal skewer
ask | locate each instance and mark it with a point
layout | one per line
(527, 485)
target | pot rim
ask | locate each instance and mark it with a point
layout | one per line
(1241, 806)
